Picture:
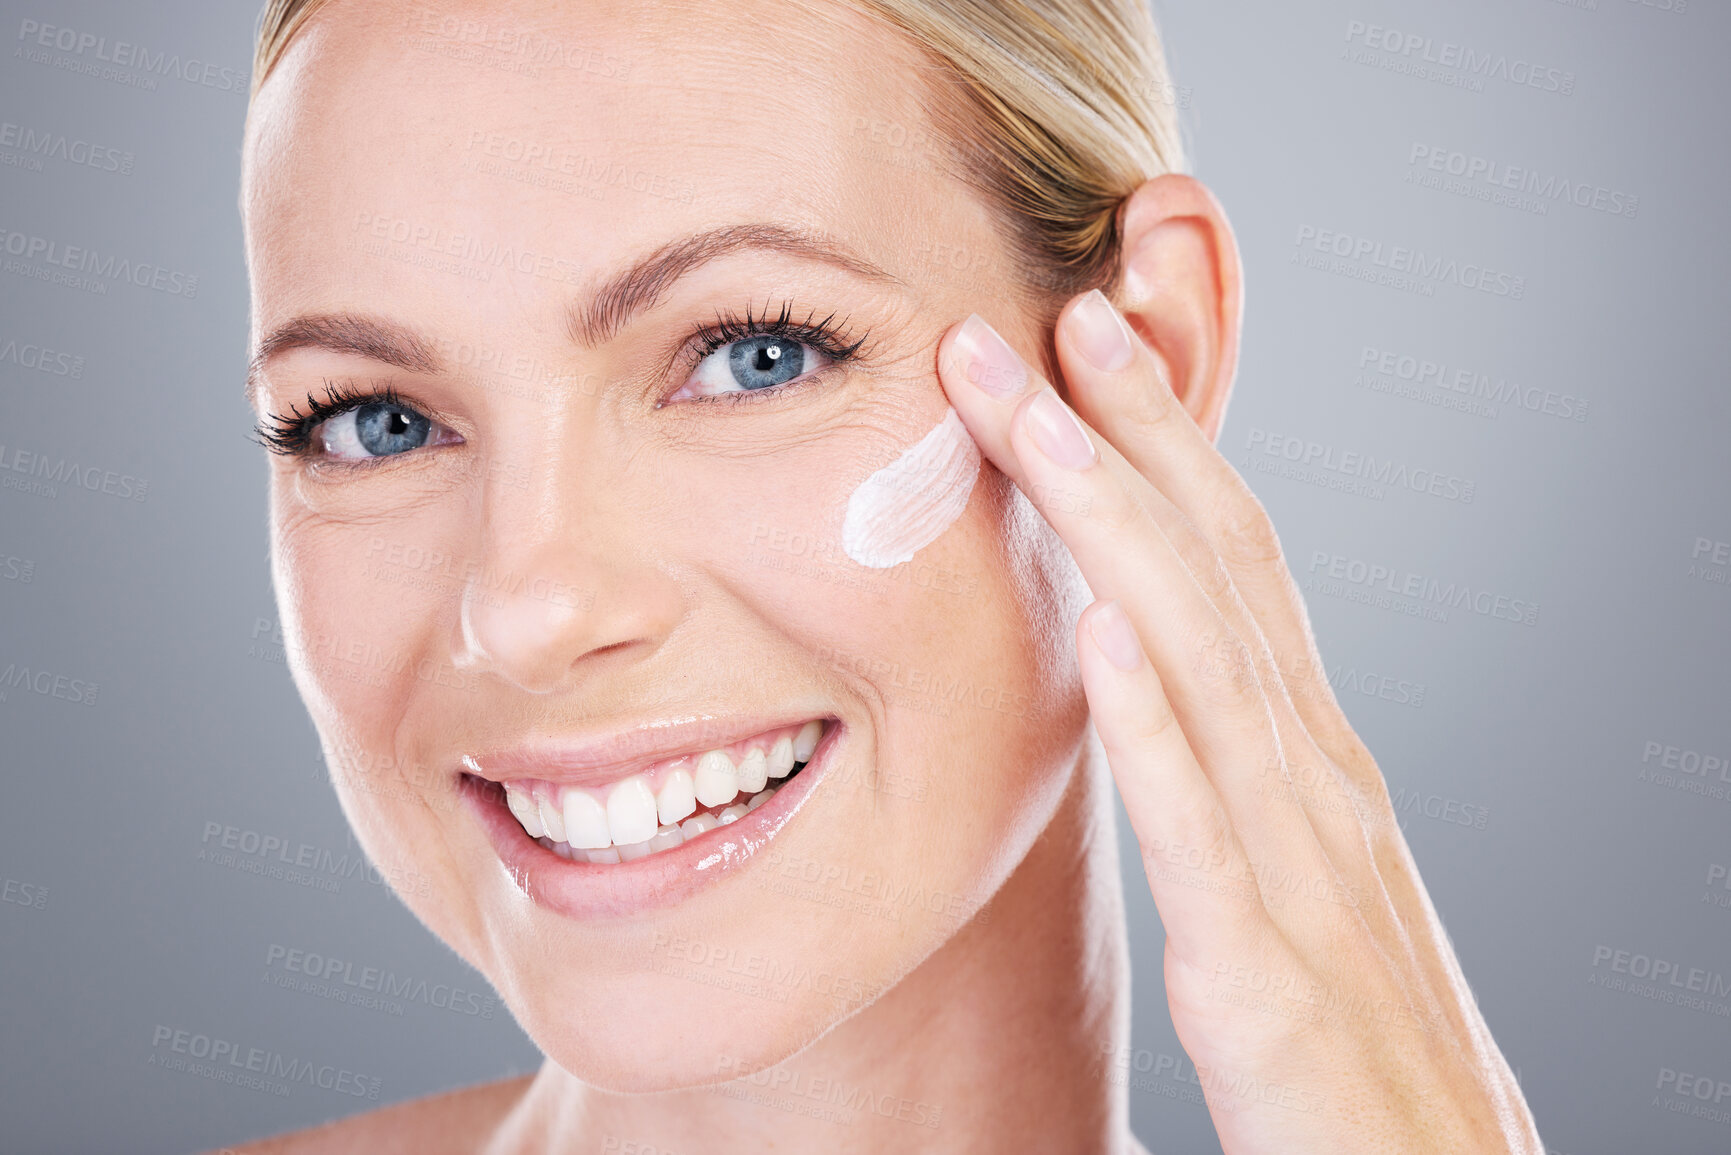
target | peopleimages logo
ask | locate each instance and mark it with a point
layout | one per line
(1398, 266)
(44, 475)
(1363, 473)
(34, 252)
(35, 146)
(1471, 385)
(344, 981)
(1515, 185)
(28, 355)
(1339, 575)
(1465, 63)
(48, 684)
(90, 49)
(479, 251)
(1669, 972)
(227, 1061)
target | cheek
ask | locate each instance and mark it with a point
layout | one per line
(363, 607)
(367, 613)
(960, 658)
(911, 572)
(909, 503)
(870, 551)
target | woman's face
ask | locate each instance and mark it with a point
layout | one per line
(576, 536)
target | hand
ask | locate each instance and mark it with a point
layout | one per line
(1308, 975)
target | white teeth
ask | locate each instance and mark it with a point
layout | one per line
(526, 812)
(634, 851)
(636, 821)
(631, 811)
(551, 817)
(781, 757)
(678, 797)
(586, 824)
(692, 827)
(806, 742)
(753, 772)
(716, 781)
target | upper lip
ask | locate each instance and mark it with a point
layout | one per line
(608, 757)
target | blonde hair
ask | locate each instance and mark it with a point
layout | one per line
(1066, 109)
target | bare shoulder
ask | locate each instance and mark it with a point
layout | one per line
(463, 1120)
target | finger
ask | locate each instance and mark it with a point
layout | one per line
(1118, 547)
(1095, 501)
(976, 354)
(1197, 868)
(1121, 388)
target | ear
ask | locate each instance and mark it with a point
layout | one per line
(1183, 290)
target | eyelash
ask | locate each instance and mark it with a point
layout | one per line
(291, 434)
(825, 336)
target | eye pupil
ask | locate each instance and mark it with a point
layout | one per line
(386, 428)
(761, 361)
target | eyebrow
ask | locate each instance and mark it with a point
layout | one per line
(643, 285)
(350, 333)
(621, 298)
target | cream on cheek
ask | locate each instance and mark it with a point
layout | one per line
(906, 505)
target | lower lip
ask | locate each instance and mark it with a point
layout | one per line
(598, 890)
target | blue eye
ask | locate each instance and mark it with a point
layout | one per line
(759, 362)
(750, 364)
(376, 429)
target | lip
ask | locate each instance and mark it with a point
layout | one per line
(603, 761)
(587, 890)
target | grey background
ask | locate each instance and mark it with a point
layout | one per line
(112, 925)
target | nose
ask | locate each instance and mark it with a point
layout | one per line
(564, 586)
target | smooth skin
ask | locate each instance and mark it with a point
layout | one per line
(1307, 973)
(1324, 1016)
(1266, 827)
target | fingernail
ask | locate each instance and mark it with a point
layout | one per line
(991, 363)
(1058, 433)
(1100, 333)
(1115, 636)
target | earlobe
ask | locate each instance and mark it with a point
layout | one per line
(1182, 290)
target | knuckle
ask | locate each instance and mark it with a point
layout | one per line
(1152, 407)
(1204, 841)
(1118, 509)
(1213, 576)
(1204, 563)
(1152, 728)
(1247, 535)
(1226, 670)
(1375, 805)
(1154, 724)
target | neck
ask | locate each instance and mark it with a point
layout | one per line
(993, 1043)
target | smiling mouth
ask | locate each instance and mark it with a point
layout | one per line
(664, 805)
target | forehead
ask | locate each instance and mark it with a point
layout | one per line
(586, 132)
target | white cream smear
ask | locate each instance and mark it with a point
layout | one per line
(906, 505)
